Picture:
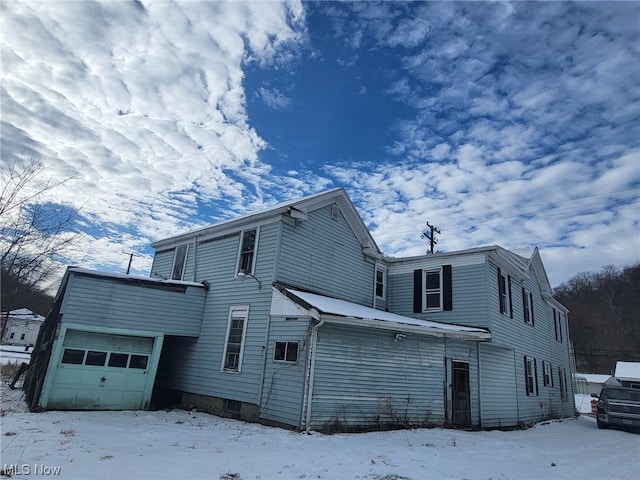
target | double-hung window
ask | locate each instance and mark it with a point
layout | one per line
(246, 256)
(563, 383)
(557, 323)
(433, 289)
(179, 262)
(380, 283)
(504, 293)
(531, 376)
(234, 345)
(547, 374)
(527, 306)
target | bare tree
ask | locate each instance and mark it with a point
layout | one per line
(33, 232)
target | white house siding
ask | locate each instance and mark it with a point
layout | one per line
(324, 255)
(120, 303)
(198, 367)
(468, 280)
(283, 385)
(364, 377)
(536, 341)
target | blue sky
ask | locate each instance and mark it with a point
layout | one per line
(515, 124)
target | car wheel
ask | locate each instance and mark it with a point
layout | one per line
(601, 424)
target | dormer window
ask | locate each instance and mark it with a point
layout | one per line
(246, 257)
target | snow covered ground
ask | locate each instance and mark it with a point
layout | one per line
(178, 444)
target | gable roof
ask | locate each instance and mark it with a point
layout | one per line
(292, 209)
(333, 310)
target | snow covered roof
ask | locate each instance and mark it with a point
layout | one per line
(627, 371)
(25, 314)
(335, 310)
(123, 276)
(593, 377)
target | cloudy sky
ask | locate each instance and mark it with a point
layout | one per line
(515, 124)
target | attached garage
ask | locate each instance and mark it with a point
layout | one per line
(94, 368)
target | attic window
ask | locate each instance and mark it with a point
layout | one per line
(335, 212)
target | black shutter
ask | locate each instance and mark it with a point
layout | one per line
(533, 322)
(417, 291)
(510, 302)
(524, 305)
(447, 293)
(500, 291)
(535, 372)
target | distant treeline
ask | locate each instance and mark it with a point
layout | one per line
(15, 294)
(604, 317)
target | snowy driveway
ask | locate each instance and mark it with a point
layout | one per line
(181, 445)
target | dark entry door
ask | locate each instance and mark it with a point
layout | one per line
(461, 395)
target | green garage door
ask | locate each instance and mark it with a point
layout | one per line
(98, 371)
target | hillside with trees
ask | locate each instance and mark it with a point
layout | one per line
(604, 317)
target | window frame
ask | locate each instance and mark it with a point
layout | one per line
(184, 261)
(557, 325)
(433, 291)
(562, 375)
(531, 376)
(253, 251)
(285, 359)
(527, 307)
(505, 303)
(235, 311)
(547, 374)
(383, 283)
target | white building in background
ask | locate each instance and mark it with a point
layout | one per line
(628, 374)
(22, 327)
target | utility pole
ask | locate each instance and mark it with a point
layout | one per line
(431, 236)
(131, 255)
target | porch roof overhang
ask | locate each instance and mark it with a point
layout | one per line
(333, 310)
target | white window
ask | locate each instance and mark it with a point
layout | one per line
(246, 256)
(547, 374)
(433, 290)
(380, 283)
(286, 352)
(234, 346)
(179, 262)
(531, 376)
(527, 306)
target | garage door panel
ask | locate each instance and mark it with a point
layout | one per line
(102, 371)
(69, 374)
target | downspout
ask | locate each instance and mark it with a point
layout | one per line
(312, 371)
(479, 384)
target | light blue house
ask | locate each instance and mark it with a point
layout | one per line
(293, 316)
